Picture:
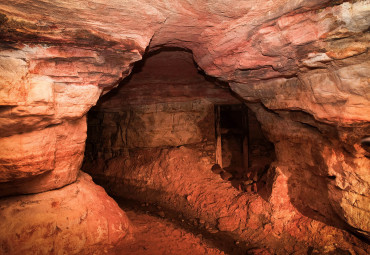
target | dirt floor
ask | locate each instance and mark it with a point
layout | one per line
(154, 235)
(206, 212)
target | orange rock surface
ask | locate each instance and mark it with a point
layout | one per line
(302, 67)
(77, 219)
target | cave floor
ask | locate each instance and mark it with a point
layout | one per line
(154, 235)
(160, 232)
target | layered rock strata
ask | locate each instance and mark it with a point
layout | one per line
(180, 180)
(57, 58)
(64, 221)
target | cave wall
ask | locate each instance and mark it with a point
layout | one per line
(57, 58)
(325, 167)
(149, 126)
(165, 103)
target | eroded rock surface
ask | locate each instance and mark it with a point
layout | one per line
(43, 95)
(57, 58)
(181, 180)
(42, 160)
(77, 219)
(331, 166)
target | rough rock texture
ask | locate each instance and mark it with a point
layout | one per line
(72, 59)
(166, 102)
(328, 167)
(322, 55)
(42, 160)
(179, 179)
(149, 126)
(166, 76)
(155, 236)
(57, 57)
(77, 219)
(43, 92)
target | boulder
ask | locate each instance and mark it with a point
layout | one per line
(77, 219)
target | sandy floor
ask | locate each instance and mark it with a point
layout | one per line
(157, 236)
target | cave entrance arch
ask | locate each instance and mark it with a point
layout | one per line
(165, 104)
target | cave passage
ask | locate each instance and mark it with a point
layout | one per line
(185, 127)
(167, 102)
(164, 106)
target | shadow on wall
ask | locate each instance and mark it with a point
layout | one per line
(246, 153)
(316, 162)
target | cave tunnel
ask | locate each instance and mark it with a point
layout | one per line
(168, 103)
(166, 108)
(222, 127)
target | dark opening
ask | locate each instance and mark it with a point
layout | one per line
(246, 154)
(168, 81)
(165, 106)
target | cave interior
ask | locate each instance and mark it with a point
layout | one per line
(229, 134)
(185, 126)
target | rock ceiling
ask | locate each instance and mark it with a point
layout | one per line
(263, 48)
(306, 62)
